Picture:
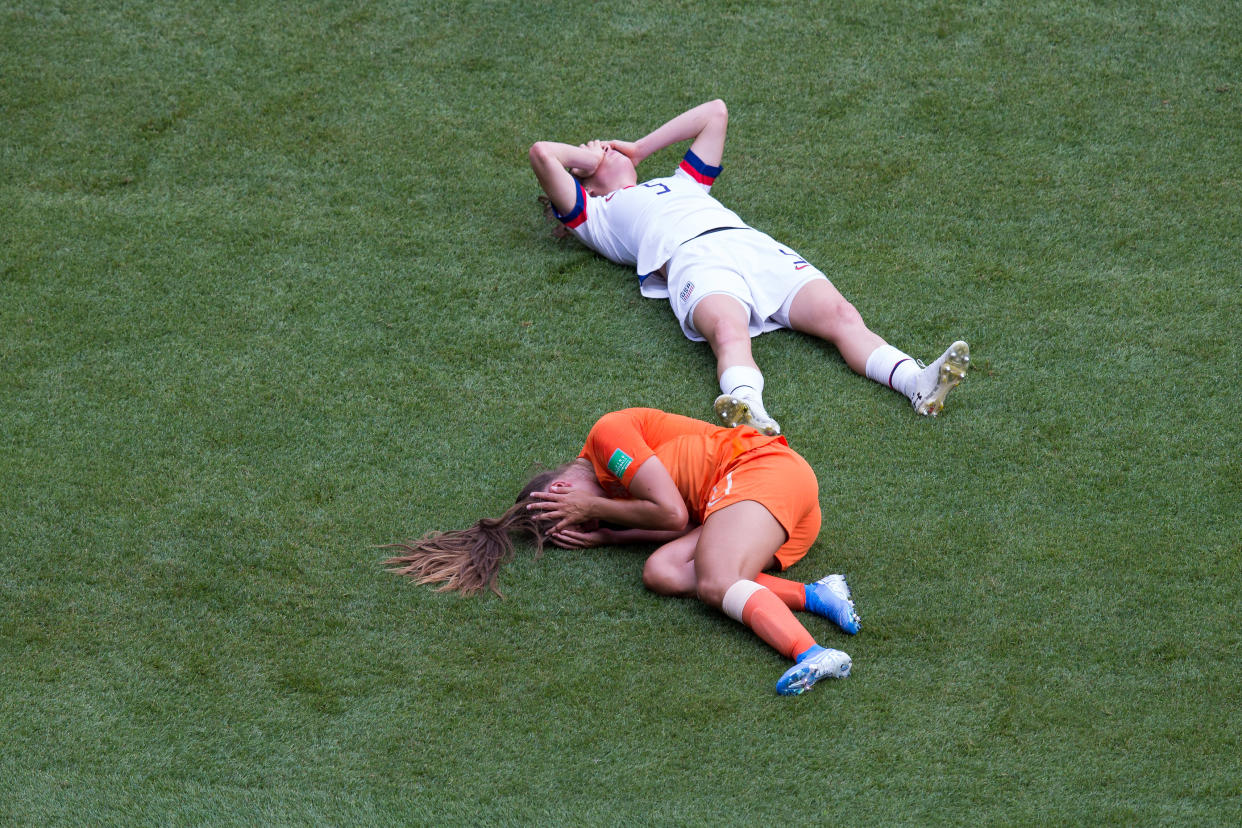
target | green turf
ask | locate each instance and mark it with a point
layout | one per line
(274, 289)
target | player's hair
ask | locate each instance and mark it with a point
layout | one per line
(468, 560)
(559, 230)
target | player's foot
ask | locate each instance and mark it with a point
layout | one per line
(938, 379)
(830, 597)
(735, 411)
(813, 665)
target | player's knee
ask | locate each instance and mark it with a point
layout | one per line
(720, 315)
(711, 590)
(849, 314)
(662, 578)
(728, 335)
(654, 576)
(841, 316)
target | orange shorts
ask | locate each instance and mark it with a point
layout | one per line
(777, 478)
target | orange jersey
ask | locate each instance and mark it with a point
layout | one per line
(713, 467)
(695, 453)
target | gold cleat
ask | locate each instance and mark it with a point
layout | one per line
(941, 377)
(735, 411)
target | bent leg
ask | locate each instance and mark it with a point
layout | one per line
(736, 544)
(829, 597)
(670, 569)
(793, 593)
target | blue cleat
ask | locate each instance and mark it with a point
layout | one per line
(813, 665)
(830, 597)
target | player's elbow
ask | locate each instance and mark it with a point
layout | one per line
(675, 517)
(544, 157)
(540, 153)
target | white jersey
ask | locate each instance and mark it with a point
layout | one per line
(642, 225)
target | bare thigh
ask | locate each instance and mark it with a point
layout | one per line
(735, 543)
(724, 322)
(820, 310)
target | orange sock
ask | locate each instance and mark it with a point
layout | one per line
(760, 609)
(793, 593)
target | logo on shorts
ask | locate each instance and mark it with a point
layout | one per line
(799, 262)
(618, 463)
(715, 498)
(686, 292)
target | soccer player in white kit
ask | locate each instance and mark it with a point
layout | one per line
(726, 281)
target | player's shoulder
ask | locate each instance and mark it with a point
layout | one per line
(628, 418)
(635, 413)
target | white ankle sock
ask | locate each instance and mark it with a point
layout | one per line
(894, 368)
(747, 383)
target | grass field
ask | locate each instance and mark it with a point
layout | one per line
(274, 289)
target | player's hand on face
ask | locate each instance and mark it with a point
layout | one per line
(627, 148)
(578, 537)
(561, 505)
(596, 148)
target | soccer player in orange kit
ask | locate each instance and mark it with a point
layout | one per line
(724, 504)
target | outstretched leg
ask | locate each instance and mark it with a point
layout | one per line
(725, 323)
(820, 310)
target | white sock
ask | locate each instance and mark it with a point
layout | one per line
(894, 368)
(747, 383)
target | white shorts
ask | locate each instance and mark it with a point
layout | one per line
(746, 264)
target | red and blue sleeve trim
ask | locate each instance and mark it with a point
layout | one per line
(703, 173)
(578, 214)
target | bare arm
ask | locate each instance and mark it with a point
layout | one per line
(552, 162)
(655, 503)
(572, 538)
(706, 124)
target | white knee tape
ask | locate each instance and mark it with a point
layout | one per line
(736, 597)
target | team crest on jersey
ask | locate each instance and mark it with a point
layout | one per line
(686, 292)
(618, 463)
